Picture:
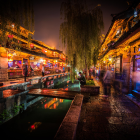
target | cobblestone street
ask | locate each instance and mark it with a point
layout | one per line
(112, 118)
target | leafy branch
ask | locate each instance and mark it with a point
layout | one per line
(6, 114)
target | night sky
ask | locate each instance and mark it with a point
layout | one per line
(47, 18)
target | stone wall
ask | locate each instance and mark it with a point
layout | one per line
(3, 75)
(3, 69)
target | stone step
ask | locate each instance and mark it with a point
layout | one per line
(134, 99)
(136, 93)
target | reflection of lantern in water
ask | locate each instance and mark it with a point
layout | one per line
(54, 106)
(34, 126)
(61, 100)
(45, 106)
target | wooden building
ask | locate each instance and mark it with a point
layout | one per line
(121, 48)
(19, 50)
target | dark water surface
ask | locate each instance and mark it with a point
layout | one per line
(41, 121)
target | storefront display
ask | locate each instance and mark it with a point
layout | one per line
(14, 68)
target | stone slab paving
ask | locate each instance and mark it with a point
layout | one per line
(109, 118)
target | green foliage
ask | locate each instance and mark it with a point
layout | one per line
(6, 114)
(16, 108)
(80, 32)
(19, 13)
(90, 82)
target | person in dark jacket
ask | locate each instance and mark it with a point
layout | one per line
(25, 71)
(82, 79)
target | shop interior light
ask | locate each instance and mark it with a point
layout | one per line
(41, 60)
(10, 60)
(12, 25)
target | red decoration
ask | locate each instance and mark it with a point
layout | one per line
(43, 50)
(10, 36)
(31, 45)
(52, 82)
(48, 83)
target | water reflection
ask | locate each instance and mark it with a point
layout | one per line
(34, 126)
(38, 121)
(52, 104)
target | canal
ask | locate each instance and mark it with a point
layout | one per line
(40, 121)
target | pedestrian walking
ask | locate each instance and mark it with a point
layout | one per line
(107, 81)
(43, 70)
(25, 71)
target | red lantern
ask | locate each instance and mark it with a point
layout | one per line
(10, 36)
(43, 50)
(31, 45)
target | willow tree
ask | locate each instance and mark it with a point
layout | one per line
(19, 13)
(80, 32)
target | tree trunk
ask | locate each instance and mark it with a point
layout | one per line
(71, 73)
(87, 75)
(74, 65)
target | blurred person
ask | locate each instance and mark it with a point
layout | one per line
(97, 72)
(82, 79)
(25, 71)
(43, 69)
(107, 81)
(102, 73)
(94, 72)
(31, 71)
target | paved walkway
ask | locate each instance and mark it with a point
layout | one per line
(112, 118)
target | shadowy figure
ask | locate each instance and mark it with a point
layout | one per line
(25, 71)
(82, 79)
(107, 81)
(42, 69)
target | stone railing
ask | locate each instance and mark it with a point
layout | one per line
(49, 81)
(21, 86)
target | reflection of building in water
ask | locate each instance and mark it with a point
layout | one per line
(34, 126)
(53, 103)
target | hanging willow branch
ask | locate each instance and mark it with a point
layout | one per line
(80, 32)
